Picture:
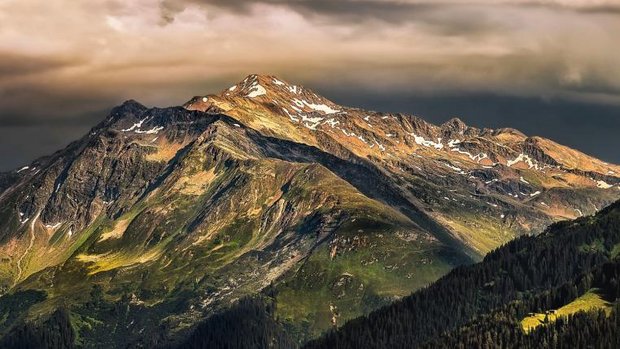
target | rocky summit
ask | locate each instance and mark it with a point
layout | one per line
(159, 218)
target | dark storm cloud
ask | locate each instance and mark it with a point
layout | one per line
(31, 105)
(12, 64)
(605, 10)
(444, 18)
(586, 7)
(441, 18)
(19, 145)
(385, 10)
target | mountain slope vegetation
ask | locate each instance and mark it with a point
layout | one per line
(159, 219)
(483, 305)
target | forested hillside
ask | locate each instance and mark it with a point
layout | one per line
(482, 305)
(592, 325)
(248, 324)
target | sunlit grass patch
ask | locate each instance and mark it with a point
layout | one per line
(589, 301)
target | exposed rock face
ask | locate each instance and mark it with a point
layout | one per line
(177, 212)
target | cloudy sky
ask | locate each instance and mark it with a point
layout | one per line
(547, 67)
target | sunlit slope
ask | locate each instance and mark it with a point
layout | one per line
(456, 173)
(222, 219)
(268, 187)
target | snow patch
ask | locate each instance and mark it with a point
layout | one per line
(346, 133)
(332, 122)
(152, 131)
(381, 146)
(317, 107)
(603, 185)
(23, 169)
(476, 158)
(136, 125)
(453, 143)
(523, 158)
(21, 217)
(456, 169)
(422, 141)
(256, 90)
(292, 117)
(311, 122)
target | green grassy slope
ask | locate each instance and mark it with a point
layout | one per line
(528, 275)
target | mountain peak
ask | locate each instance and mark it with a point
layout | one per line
(264, 78)
(128, 107)
(256, 85)
(268, 93)
(131, 104)
(276, 107)
(455, 125)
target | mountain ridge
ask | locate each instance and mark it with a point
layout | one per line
(177, 212)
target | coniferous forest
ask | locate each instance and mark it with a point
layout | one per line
(481, 305)
(248, 324)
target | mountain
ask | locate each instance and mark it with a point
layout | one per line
(503, 175)
(558, 289)
(160, 218)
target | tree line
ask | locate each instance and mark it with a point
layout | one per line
(517, 272)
